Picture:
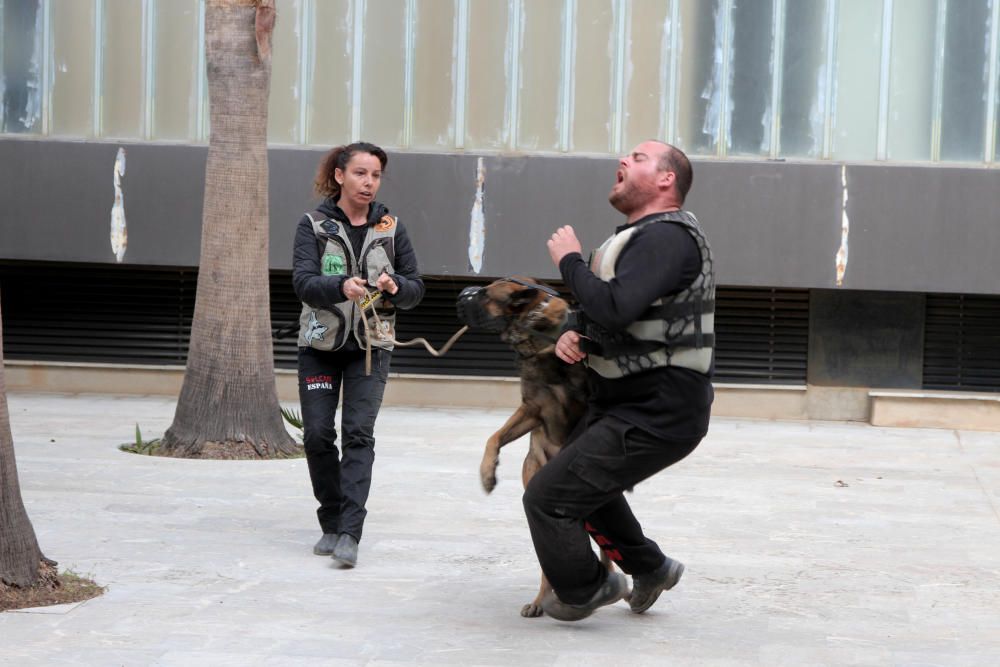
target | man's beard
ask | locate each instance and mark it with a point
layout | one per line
(625, 200)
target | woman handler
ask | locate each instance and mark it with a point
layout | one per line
(346, 251)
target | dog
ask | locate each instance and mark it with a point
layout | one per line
(529, 316)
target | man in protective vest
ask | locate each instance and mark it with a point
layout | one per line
(645, 330)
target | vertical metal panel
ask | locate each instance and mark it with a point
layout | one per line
(858, 105)
(307, 18)
(595, 77)
(284, 105)
(566, 73)
(777, 77)
(992, 80)
(409, 18)
(177, 78)
(331, 73)
(461, 70)
(937, 96)
(673, 76)
(885, 67)
(73, 60)
(544, 88)
(359, 7)
(385, 105)
(489, 104)
(122, 78)
(515, 35)
(148, 67)
(722, 139)
(46, 67)
(98, 66)
(621, 32)
(831, 59)
(202, 74)
(433, 70)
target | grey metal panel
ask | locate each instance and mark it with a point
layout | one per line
(926, 229)
(55, 203)
(290, 194)
(773, 224)
(866, 339)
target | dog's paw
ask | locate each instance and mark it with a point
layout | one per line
(489, 482)
(488, 476)
(532, 610)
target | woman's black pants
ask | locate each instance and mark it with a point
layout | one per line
(341, 480)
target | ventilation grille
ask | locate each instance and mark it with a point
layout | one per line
(96, 314)
(962, 342)
(762, 335)
(131, 315)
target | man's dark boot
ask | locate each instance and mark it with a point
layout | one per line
(326, 544)
(648, 586)
(346, 551)
(612, 590)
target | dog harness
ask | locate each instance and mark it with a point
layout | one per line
(328, 329)
(678, 330)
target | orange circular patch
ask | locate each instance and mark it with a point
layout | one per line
(385, 224)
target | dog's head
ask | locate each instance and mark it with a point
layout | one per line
(517, 308)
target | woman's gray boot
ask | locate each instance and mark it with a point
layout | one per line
(346, 551)
(326, 544)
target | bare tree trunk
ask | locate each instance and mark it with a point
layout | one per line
(228, 406)
(21, 560)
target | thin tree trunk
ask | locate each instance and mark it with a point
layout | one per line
(228, 406)
(21, 560)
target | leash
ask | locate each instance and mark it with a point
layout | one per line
(374, 327)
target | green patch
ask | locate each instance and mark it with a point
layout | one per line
(333, 265)
(293, 419)
(140, 446)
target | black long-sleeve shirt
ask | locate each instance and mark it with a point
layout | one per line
(659, 260)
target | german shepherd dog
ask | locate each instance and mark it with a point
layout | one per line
(529, 316)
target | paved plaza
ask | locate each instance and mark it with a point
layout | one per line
(806, 543)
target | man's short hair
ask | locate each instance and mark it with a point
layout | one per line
(673, 159)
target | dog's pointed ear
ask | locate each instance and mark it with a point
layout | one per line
(521, 299)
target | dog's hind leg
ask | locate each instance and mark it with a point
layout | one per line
(521, 422)
(534, 608)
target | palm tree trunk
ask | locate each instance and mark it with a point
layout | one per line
(21, 560)
(228, 406)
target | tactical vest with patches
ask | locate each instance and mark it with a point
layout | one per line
(329, 329)
(678, 330)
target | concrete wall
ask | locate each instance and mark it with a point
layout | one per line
(906, 409)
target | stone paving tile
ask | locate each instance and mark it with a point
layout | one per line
(806, 543)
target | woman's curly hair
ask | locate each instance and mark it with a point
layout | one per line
(326, 184)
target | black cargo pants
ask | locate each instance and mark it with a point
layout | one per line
(579, 494)
(341, 480)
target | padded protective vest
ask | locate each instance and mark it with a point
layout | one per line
(328, 329)
(678, 330)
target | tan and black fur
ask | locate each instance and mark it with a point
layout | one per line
(553, 393)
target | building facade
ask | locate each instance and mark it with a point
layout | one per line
(846, 165)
